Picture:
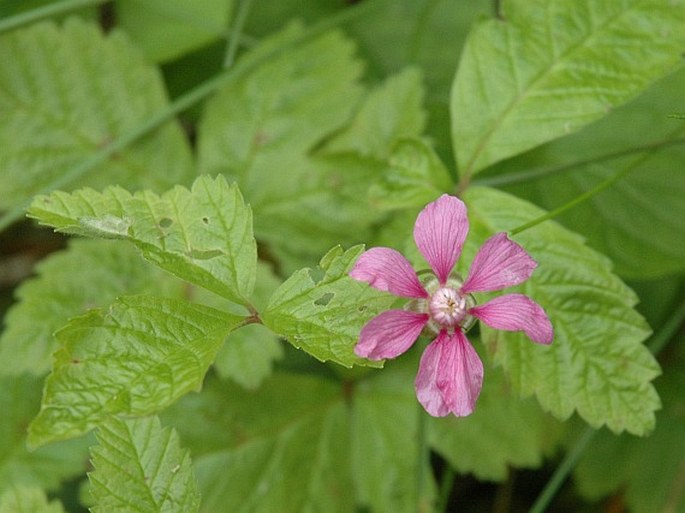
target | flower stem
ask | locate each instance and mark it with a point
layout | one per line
(562, 471)
(446, 484)
(422, 458)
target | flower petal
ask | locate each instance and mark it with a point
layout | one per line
(450, 376)
(499, 263)
(390, 334)
(516, 312)
(387, 270)
(440, 231)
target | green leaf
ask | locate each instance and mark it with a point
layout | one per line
(649, 471)
(46, 467)
(648, 145)
(553, 66)
(88, 274)
(379, 122)
(141, 468)
(384, 439)
(284, 448)
(261, 130)
(166, 29)
(415, 177)
(324, 317)
(21, 499)
(203, 235)
(502, 432)
(67, 92)
(597, 364)
(135, 359)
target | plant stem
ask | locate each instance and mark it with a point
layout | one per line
(524, 176)
(422, 457)
(562, 471)
(445, 489)
(668, 329)
(657, 343)
(236, 32)
(47, 11)
(575, 202)
(179, 105)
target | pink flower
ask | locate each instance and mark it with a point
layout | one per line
(450, 373)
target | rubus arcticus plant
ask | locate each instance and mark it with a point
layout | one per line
(183, 351)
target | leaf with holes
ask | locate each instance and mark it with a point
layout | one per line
(597, 364)
(65, 93)
(203, 235)
(324, 317)
(147, 462)
(552, 66)
(134, 359)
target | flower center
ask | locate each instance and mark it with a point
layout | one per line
(447, 307)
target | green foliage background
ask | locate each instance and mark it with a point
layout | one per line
(247, 151)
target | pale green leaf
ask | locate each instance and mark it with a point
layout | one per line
(415, 177)
(66, 92)
(502, 432)
(284, 448)
(136, 358)
(141, 468)
(379, 122)
(46, 467)
(203, 235)
(166, 29)
(597, 364)
(552, 66)
(649, 471)
(248, 355)
(646, 144)
(88, 274)
(20, 499)
(324, 317)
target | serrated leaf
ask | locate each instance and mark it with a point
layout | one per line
(649, 471)
(166, 29)
(503, 431)
(202, 235)
(283, 448)
(64, 94)
(650, 147)
(597, 364)
(260, 130)
(46, 467)
(553, 66)
(135, 359)
(141, 468)
(88, 274)
(379, 122)
(415, 177)
(20, 499)
(324, 317)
